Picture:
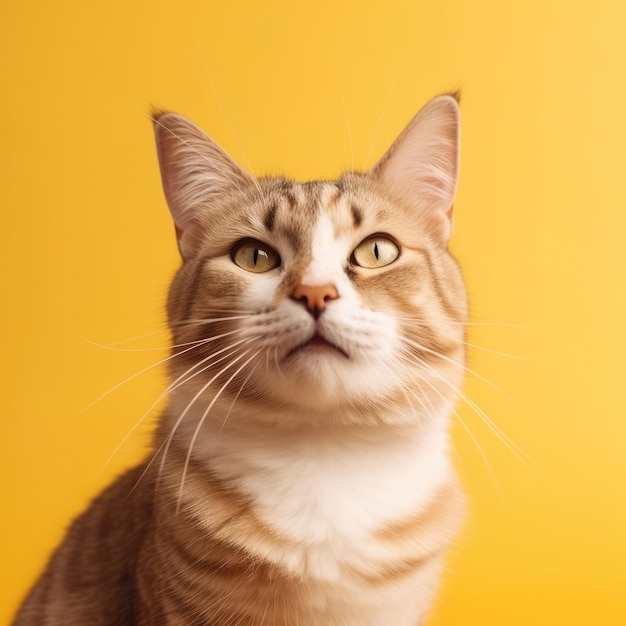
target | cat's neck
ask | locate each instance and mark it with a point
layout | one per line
(251, 431)
(325, 487)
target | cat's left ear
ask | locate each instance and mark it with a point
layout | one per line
(196, 172)
(422, 165)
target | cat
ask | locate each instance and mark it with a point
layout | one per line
(300, 473)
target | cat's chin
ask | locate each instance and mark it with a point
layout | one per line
(316, 347)
(318, 376)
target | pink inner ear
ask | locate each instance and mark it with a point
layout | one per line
(439, 223)
(450, 213)
(421, 166)
(194, 170)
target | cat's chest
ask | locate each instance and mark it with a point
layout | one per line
(319, 500)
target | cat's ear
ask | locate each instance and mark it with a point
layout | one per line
(195, 171)
(422, 165)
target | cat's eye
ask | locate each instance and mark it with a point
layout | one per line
(375, 251)
(255, 256)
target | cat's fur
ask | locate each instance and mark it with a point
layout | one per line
(300, 473)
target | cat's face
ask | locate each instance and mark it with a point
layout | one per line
(333, 298)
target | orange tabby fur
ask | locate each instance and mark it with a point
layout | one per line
(300, 473)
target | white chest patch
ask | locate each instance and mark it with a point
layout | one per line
(329, 493)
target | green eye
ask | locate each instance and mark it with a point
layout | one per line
(255, 256)
(376, 251)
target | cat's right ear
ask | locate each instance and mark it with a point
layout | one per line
(194, 172)
(422, 166)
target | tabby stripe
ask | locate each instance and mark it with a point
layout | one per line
(192, 596)
(289, 194)
(195, 285)
(214, 556)
(393, 573)
(357, 215)
(333, 198)
(441, 505)
(239, 516)
(270, 217)
(431, 527)
(440, 289)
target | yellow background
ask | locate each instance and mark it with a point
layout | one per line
(309, 89)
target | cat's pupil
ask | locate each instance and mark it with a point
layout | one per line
(376, 250)
(256, 255)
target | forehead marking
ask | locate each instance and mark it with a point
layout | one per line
(299, 194)
(270, 217)
(327, 258)
(357, 215)
(284, 213)
(330, 196)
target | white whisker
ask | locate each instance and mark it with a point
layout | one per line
(496, 352)
(164, 331)
(181, 417)
(506, 440)
(452, 409)
(277, 363)
(494, 324)
(192, 322)
(349, 129)
(380, 121)
(153, 349)
(230, 126)
(185, 377)
(203, 418)
(241, 315)
(245, 382)
(194, 344)
(470, 371)
(430, 410)
(422, 320)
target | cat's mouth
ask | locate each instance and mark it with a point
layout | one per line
(317, 342)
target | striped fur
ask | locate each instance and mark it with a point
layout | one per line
(300, 473)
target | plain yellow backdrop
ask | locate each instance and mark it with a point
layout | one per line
(309, 89)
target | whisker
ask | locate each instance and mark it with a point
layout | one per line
(422, 320)
(277, 363)
(156, 364)
(519, 452)
(430, 412)
(181, 417)
(496, 352)
(164, 331)
(495, 324)
(454, 412)
(230, 126)
(506, 440)
(165, 444)
(416, 414)
(267, 360)
(245, 382)
(241, 315)
(153, 349)
(470, 371)
(203, 418)
(345, 111)
(380, 121)
(185, 377)
(193, 322)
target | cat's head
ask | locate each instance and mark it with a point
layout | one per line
(331, 298)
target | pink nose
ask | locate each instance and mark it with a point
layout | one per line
(315, 298)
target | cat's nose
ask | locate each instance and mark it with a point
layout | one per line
(315, 298)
